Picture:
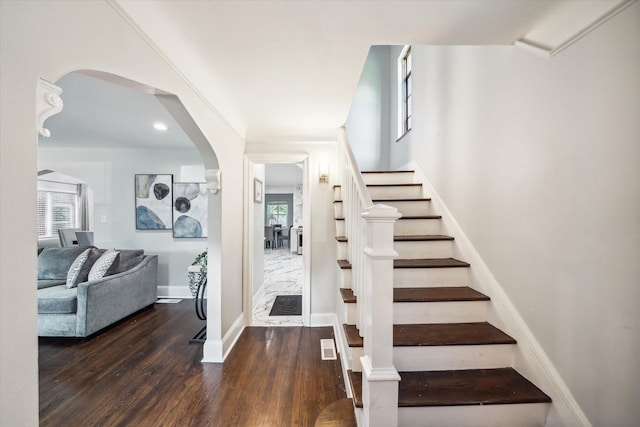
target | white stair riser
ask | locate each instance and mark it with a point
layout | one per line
(337, 193)
(418, 250)
(346, 278)
(337, 210)
(351, 313)
(388, 178)
(356, 353)
(429, 277)
(515, 415)
(448, 357)
(405, 313)
(412, 227)
(339, 228)
(407, 208)
(342, 250)
(395, 192)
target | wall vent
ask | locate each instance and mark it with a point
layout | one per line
(328, 349)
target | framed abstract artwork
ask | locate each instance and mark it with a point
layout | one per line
(190, 209)
(153, 201)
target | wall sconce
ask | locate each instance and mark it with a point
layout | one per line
(212, 176)
(323, 172)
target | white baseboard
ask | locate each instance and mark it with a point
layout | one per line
(174, 292)
(338, 333)
(530, 359)
(322, 319)
(231, 337)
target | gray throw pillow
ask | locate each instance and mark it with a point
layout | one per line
(101, 266)
(54, 263)
(126, 260)
(74, 271)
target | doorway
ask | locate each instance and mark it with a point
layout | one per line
(276, 257)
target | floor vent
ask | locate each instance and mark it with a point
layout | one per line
(328, 349)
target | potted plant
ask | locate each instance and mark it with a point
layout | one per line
(197, 272)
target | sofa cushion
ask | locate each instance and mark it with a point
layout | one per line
(49, 283)
(73, 275)
(57, 300)
(126, 260)
(54, 263)
(103, 263)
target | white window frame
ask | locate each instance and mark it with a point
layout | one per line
(405, 98)
(50, 190)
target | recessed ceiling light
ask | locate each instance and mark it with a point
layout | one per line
(160, 126)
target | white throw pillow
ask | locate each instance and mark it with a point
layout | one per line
(103, 263)
(74, 271)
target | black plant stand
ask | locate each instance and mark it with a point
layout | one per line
(201, 336)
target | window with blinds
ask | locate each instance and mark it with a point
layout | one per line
(56, 210)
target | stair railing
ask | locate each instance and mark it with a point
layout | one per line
(369, 232)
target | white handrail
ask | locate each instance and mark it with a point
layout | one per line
(369, 232)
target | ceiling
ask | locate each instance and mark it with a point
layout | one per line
(285, 70)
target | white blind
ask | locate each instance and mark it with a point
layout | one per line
(56, 210)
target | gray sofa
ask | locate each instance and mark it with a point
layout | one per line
(129, 285)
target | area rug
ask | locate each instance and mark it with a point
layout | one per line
(287, 305)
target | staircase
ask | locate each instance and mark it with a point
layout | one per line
(454, 366)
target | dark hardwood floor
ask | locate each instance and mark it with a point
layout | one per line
(144, 372)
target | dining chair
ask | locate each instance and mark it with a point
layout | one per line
(269, 236)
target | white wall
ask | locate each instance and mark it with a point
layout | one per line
(539, 161)
(48, 40)
(110, 173)
(367, 127)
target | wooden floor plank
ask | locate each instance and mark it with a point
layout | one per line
(144, 372)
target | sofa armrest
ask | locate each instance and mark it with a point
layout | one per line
(105, 301)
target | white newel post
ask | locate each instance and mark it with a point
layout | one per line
(380, 377)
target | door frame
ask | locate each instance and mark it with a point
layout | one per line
(248, 286)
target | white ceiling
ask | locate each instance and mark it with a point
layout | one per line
(282, 174)
(285, 70)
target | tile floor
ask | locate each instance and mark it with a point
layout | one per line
(282, 276)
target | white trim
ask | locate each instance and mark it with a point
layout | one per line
(338, 333)
(174, 292)
(534, 362)
(372, 374)
(216, 351)
(321, 319)
(548, 52)
(248, 241)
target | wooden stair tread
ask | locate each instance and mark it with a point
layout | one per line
(352, 336)
(406, 184)
(407, 171)
(341, 238)
(429, 263)
(436, 334)
(441, 294)
(417, 263)
(411, 199)
(344, 264)
(422, 238)
(355, 381)
(467, 387)
(456, 388)
(405, 217)
(339, 218)
(347, 296)
(337, 414)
